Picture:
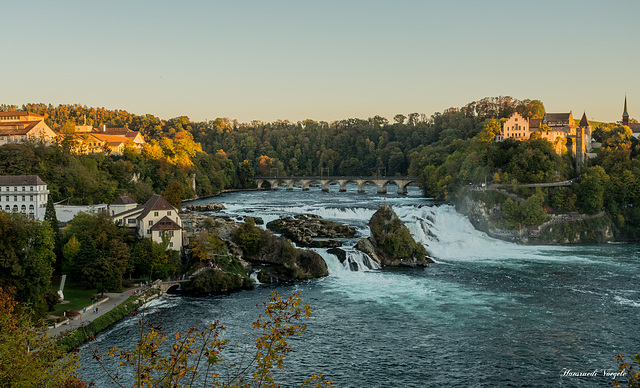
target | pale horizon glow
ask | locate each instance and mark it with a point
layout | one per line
(325, 61)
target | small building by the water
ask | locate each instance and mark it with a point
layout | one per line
(157, 219)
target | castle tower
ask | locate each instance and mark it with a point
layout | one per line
(625, 115)
(581, 140)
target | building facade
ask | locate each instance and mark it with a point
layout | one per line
(157, 219)
(516, 127)
(26, 194)
(18, 127)
(98, 140)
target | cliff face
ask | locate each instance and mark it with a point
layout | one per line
(573, 228)
(391, 243)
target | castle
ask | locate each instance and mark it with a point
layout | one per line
(555, 127)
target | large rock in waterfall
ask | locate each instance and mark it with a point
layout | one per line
(234, 250)
(304, 229)
(391, 243)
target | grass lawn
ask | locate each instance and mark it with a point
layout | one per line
(77, 297)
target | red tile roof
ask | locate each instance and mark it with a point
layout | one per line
(16, 128)
(19, 113)
(156, 202)
(166, 223)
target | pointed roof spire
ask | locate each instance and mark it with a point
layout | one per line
(583, 121)
(625, 114)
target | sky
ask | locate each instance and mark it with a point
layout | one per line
(323, 60)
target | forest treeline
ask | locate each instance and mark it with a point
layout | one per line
(223, 153)
(446, 150)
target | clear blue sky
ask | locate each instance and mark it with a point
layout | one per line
(323, 60)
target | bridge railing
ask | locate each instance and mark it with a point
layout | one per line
(337, 177)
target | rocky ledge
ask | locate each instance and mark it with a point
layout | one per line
(234, 250)
(207, 207)
(391, 243)
(305, 229)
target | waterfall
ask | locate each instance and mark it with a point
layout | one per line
(254, 277)
(354, 260)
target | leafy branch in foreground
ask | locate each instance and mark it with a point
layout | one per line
(633, 378)
(28, 358)
(196, 355)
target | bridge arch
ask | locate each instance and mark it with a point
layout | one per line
(381, 183)
(263, 185)
(306, 185)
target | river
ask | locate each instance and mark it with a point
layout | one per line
(488, 314)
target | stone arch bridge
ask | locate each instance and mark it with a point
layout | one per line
(272, 183)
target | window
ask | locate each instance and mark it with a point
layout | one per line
(171, 233)
(7, 208)
(24, 188)
(15, 208)
(31, 188)
(148, 231)
(15, 198)
(131, 220)
(155, 214)
(150, 222)
(31, 208)
(31, 198)
(23, 209)
(23, 198)
(170, 245)
(169, 213)
(15, 188)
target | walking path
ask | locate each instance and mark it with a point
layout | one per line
(115, 299)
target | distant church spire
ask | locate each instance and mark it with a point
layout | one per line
(625, 115)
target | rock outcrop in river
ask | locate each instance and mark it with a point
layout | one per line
(236, 249)
(207, 207)
(391, 243)
(304, 229)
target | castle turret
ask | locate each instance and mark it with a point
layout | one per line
(581, 142)
(625, 115)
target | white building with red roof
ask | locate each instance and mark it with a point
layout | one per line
(19, 127)
(157, 219)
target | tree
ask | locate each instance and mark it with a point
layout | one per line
(26, 257)
(195, 356)
(173, 194)
(51, 217)
(28, 358)
(591, 188)
(399, 118)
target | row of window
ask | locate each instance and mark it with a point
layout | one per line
(160, 232)
(15, 198)
(23, 208)
(15, 188)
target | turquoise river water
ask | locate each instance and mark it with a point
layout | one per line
(488, 314)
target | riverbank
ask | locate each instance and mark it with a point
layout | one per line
(484, 208)
(88, 324)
